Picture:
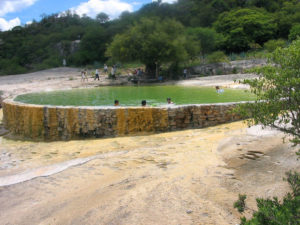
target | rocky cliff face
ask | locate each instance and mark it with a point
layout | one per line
(68, 48)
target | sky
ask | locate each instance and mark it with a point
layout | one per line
(20, 12)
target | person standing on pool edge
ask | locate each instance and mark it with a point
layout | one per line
(105, 68)
(96, 74)
(84, 75)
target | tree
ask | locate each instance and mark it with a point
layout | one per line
(287, 17)
(209, 39)
(270, 5)
(152, 42)
(157, 9)
(277, 91)
(243, 27)
(102, 17)
(294, 32)
(92, 46)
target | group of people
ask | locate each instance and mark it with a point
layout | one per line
(139, 72)
(144, 102)
(84, 73)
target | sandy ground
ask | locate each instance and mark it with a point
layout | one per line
(184, 177)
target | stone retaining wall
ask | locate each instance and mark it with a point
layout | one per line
(65, 123)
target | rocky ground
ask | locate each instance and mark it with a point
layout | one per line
(184, 177)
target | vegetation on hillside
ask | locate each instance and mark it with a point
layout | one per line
(231, 26)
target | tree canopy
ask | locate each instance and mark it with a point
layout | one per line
(102, 17)
(207, 38)
(153, 42)
(243, 27)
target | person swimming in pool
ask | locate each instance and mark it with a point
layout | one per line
(219, 90)
(169, 101)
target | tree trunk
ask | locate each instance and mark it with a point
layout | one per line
(151, 71)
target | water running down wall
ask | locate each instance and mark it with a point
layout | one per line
(51, 123)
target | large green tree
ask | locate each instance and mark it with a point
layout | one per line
(243, 27)
(153, 42)
(208, 38)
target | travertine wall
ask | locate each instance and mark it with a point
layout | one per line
(65, 123)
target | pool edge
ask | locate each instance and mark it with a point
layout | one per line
(51, 123)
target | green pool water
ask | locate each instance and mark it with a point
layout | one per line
(132, 96)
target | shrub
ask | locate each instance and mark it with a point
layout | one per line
(273, 211)
(234, 70)
(240, 204)
(294, 32)
(9, 67)
(271, 45)
(217, 57)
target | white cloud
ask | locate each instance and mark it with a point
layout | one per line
(7, 25)
(113, 8)
(8, 6)
(136, 3)
(166, 1)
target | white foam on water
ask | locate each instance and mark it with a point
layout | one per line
(50, 170)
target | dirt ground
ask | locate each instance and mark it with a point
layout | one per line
(183, 177)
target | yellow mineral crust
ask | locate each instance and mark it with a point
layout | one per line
(24, 120)
(66, 123)
(140, 120)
